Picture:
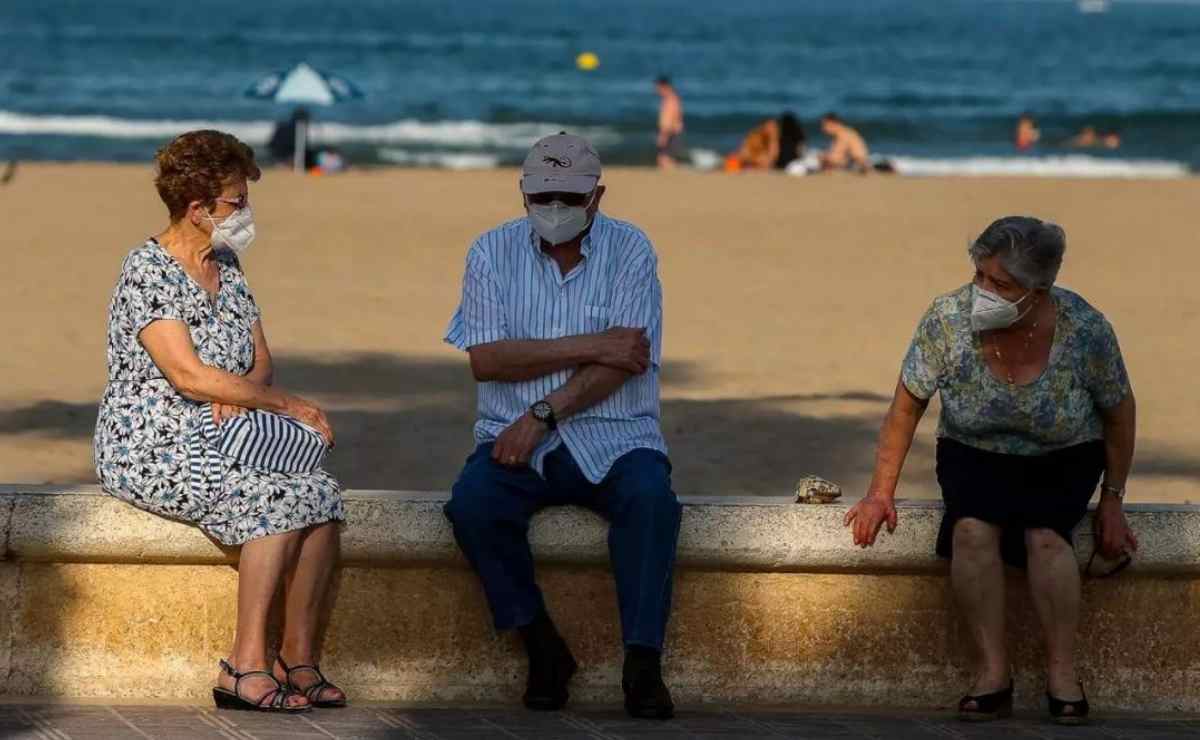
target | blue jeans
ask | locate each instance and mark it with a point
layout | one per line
(491, 505)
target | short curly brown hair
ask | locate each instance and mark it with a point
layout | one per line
(197, 166)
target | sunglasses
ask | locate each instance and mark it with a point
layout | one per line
(238, 203)
(571, 200)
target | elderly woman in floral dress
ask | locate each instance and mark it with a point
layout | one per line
(1036, 409)
(183, 331)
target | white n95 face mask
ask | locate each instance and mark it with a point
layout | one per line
(558, 223)
(236, 232)
(990, 311)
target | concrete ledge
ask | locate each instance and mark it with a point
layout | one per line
(83, 525)
(773, 604)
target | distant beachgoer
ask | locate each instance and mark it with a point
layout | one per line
(670, 124)
(791, 140)
(848, 149)
(283, 141)
(773, 144)
(568, 414)
(1036, 407)
(759, 150)
(187, 355)
(1027, 133)
(1089, 138)
(10, 171)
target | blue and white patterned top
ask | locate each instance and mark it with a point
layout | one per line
(512, 290)
(1085, 374)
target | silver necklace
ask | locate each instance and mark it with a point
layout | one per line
(1012, 382)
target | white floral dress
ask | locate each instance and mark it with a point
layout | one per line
(145, 430)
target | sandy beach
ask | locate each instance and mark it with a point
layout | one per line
(789, 303)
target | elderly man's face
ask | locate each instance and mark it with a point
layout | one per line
(574, 200)
(991, 275)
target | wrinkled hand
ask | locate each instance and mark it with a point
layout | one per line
(624, 349)
(515, 445)
(1113, 535)
(223, 411)
(868, 515)
(304, 410)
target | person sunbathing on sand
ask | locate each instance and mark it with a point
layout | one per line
(773, 144)
(848, 150)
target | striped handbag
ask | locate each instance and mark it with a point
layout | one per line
(264, 441)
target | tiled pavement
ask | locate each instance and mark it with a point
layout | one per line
(64, 721)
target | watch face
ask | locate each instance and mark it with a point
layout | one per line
(542, 411)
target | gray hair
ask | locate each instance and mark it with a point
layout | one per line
(1029, 249)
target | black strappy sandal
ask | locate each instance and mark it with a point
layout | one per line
(313, 692)
(1078, 714)
(274, 700)
(988, 707)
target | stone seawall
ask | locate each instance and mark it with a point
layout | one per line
(773, 605)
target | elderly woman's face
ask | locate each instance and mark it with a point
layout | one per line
(991, 275)
(234, 196)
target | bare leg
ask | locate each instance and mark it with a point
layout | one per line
(306, 584)
(1054, 584)
(977, 575)
(260, 568)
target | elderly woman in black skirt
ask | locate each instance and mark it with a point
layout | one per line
(1036, 411)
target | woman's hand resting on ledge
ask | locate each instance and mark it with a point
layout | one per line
(868, 515)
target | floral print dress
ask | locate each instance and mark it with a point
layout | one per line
(1059, 409)
(146, 430)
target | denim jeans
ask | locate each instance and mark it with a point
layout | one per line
(491, 505)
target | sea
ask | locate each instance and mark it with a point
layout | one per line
(934, 85)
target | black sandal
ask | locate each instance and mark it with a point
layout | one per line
(1078, 710)
(988, 707)
(274, 700)
(313, 692)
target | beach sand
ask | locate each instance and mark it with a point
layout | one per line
(789, 304)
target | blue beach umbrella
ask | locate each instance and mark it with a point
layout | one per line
(303, 85)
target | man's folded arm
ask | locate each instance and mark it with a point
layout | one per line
(586, 388)
(516, 360)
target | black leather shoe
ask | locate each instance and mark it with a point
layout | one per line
(646, 696)
(551, 667)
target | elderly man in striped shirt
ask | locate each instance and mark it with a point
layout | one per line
(561, 314)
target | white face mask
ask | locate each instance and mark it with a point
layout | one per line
(558, 223)
(236, 232)
(990, 311)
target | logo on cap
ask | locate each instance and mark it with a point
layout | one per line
(557, 161)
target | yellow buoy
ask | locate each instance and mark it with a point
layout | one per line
(587, 61)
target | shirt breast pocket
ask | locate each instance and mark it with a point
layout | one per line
(595, 318)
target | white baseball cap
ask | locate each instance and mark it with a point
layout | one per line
(561, 163)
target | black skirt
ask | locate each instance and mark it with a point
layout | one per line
(1016, 492)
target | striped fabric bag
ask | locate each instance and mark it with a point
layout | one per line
(264, 441)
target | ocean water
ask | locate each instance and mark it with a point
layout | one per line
(935, 84)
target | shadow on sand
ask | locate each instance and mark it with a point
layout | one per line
(405, 423)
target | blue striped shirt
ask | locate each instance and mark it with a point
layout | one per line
(513, 290)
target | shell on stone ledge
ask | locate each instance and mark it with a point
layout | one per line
(814, 490)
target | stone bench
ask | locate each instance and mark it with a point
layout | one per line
(773, 605)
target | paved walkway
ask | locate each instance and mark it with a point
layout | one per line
(65, 721)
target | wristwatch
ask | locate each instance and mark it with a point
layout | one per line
(544, 412)
(1113, 491)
